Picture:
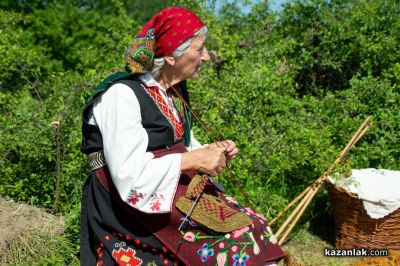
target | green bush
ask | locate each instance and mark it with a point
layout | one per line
(289, 88)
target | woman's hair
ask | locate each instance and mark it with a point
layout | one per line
(159, 62)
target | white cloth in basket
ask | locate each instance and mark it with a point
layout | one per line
(378, 188)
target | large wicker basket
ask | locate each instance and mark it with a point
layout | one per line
(355, 229)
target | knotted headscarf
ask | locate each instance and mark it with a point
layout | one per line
(160, 37)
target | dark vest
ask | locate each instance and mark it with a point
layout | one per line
(158, 128)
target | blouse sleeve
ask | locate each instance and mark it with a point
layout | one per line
(146, 183)
(194, 143)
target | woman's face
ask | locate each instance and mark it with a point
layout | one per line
(187, 65)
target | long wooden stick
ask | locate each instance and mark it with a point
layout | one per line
(298, 212)
(299, 206)
(362, 134)
(290, 205)
(58, 164)
(353, 140)
(351, 143)
(311, 196)
(310, 191)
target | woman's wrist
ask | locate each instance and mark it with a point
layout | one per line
(187, 162)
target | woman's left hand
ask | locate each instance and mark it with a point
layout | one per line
(231, 149)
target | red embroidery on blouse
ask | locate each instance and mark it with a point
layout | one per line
(156, 200)
(165, 109)
(134, 197)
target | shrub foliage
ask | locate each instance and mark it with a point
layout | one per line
(290, 88)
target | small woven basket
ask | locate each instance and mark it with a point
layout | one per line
(356, 229)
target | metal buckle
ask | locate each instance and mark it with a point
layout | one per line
(96, 160)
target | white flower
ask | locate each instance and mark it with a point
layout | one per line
(273, 239)
(256, 248)
(189, 236)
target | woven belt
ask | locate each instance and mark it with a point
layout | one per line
(96, 160)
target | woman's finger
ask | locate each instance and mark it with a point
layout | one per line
(213, 173)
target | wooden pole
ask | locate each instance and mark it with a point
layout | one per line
(296, 210)
(290, 205)
(58, 164)
(311, 190)
(353, 140)
(362, 134)
(310, 197)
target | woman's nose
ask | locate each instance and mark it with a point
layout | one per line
(204, 55)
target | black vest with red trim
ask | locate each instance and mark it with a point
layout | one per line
(158, 128)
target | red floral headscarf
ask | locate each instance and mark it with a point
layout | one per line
(160, 37)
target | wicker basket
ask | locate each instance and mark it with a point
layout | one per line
(356, 229)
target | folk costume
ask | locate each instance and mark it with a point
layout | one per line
(136, 197)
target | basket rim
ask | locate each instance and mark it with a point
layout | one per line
(342, 190)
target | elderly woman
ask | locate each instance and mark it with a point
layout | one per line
(145, 202)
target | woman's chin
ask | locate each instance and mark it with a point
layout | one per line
(195, 75)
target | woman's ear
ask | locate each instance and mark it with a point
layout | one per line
(170, 60)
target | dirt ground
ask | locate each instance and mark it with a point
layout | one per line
(18, 219)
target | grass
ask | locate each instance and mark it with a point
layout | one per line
(40, 247)
(313, 233)
(308, 249)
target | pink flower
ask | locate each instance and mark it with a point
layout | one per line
(221, 245)
(240, 232)
(221, 259)
(260, 216)
(189, 236)
(234, 248)
(250, 211)
(255, 213)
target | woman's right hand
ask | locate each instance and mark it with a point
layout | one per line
(206, 161)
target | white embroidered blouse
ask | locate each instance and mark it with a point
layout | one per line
(146, 183)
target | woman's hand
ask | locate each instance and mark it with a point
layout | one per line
(231, 149)
(205, 160)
